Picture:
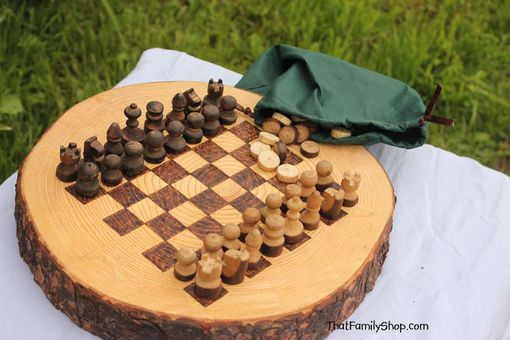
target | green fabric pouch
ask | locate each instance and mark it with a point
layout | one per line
(331, 92)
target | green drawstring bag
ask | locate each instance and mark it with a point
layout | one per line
(331, 92)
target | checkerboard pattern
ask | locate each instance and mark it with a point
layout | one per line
(194, 193)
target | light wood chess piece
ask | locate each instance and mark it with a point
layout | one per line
(311, 217)
(350, 184)
(235, 264)
(253, 243)
(332, 204)
(212, 245)
(273, 205)
(231, 233)
(293, 231)
(324, 170)
(251, 219)
(307, 180)
(208, 279)
(273, 239)
(291, 190)
(185, 268)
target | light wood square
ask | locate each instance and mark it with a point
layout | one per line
(189, 186)
(228, 141)
(265, 189)
(186, 239)
(306, 164)
(149, 183)
(264, 174)
(228, 214)
(187, 213)
(146, 210)
(140, 240)
(190, 161)
(229, 165)
(229, 190)
(100, 207)
(192, 146)
(152, 166)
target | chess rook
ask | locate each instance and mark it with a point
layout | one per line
(154, 150)
(114, 140)
(324, 170)
(87, 184)
(178, 108)
(132, 161)
(228, 115)
(214, 93)
(208, 279)
(185, 267)
(67, 169)
(350, 184)
(176, 143)
(132, 132)
(235, 264)
(212, 245)
(154, 117)
(311, 217)
(251, 219)
(273, 239)
(111, 175)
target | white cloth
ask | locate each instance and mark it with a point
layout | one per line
(448, 265)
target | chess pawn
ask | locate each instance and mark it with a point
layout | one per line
(231, 233)
(291, 190)
(211, 115)
(235, 264)
(193, 101)
(154, 117)
(228, 115)
(193, 132)
(185, 267)
(273, 205)
(311, 217)
(132, 161)
(114, 140)
(253, 243)
(132, 132)
(212, 245)
(178, 107)
(93, 151)
(87, 184)
(176, 143)
(293, 226)
(273, 239)
(67, 170)
(251, 219)
(154, 150)
(208, 279)
(350, 184)
(214, 93)
(324, 171)
(308, 180)
(333, 199)
(111, 175)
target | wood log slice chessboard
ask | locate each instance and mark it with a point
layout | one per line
(107, 262)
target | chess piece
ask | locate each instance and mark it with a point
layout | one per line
(287, 173)
(67, 170)
(132, 161)
(331, 207)
(350, 184)
(178, 108)
(281, 150)
(93, 151)
(251, 219)
(288, 134)
(268, 161)
(212, 245)
(114, 140)
(111, 175)
(324, 175)
(291, 190)
(132, 132)
(228, 115)
(273, 205)
(154, 117)
(267, 138)
(310, 149)
(185, 267)
(271, 126)
(87, 184)
(193, 132)
(231, 233)
(214, 93)
(303, 132)
(293, 231)
(208, 279)
(284, 120)
(211, 115)
(311, 217)
(235, 264)
(340, 132)
(253, 242)
(154, 151)
(176, 143)
(273, 239)
(257, 147)
(193, 101)
(308, 180)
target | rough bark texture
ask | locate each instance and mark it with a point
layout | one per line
(113, 319)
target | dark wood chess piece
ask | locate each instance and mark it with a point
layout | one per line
(67, 170)
(132, 132)
(214, 93)
(87, 184)
(114, 140)
(132, 161)
(211, 115)
(154, 117)
(93, 151)
(194, 103)
(178, 108)
(193, 132)
(176, 143)
(111, 175)
(228, 115)
(154, 151)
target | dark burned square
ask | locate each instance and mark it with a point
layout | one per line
(162, 255)
(127, 194)
(205, 226)
(278, 184)
(168, 198)
(84, 200)
(123, 222)
(248, 179)
(210, 151)
(243, 155)
(247, 200)
(246, 131)
(174, 155)
(210, 175)
(297, 244)
(204, 302)
(328, 221)
(258, 267)
(292, 158)
(170, 172)
(166, 226)
(145, 169)
(209, 201)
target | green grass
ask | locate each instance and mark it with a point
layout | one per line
(54, 54)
